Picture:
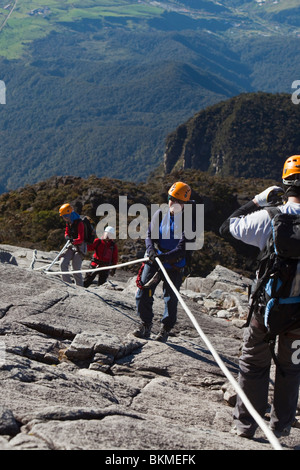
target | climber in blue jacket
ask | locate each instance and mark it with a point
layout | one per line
(165, 240)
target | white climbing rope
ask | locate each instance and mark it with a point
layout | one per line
(256, 416)
(59, 254)
(121, 265)
(34, 257)
(56, 259)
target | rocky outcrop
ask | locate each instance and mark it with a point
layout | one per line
(74, 377)
(227, 139)
(223, 293)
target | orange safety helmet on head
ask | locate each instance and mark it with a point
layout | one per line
(180, 191)
(65, 209)
(291, 168)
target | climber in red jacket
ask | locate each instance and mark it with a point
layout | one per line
(74, 232)
(105, 254)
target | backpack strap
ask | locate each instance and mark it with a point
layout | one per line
(73, 228)
(271, 341)
(272, 211)
(262, 281)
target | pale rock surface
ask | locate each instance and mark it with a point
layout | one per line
(74, 377)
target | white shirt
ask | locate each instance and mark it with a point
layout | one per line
(254, 229)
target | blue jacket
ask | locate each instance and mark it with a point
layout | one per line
(166, 232)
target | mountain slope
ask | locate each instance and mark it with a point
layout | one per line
(246, 136)
(68, 111)
(96, 88)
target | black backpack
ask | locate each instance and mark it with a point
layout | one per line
(278, 285)
(89, 229)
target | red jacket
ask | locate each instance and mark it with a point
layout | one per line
(106, 252)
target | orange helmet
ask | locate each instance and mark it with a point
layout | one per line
(65, 209)
(180, 191)
(291, 168)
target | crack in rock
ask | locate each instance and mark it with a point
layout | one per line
(4, 310)
(49, 330)
(60, 413)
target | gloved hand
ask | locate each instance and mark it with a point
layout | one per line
(152, 254)
(69, 239)
(271, 195)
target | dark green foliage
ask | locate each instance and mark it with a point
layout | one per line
(291, 16)
(100, 98)
(29, 216)
(247, 136)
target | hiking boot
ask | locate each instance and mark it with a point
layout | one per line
(283, 433)
(162, 335)
(143, 331)
(238, 432)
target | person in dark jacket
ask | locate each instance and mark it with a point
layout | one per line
(74, 232)
(105, 254)
(165, 240)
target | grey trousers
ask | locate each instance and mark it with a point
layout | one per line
(74, 257)
(254, 364)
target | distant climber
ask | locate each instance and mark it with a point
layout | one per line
(105, 254)
(74, 232)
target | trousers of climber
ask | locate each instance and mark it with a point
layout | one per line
(165, 240)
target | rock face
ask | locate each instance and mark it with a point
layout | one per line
(74, 377)
(215, 138)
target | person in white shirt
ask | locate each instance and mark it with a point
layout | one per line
(251, 224)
